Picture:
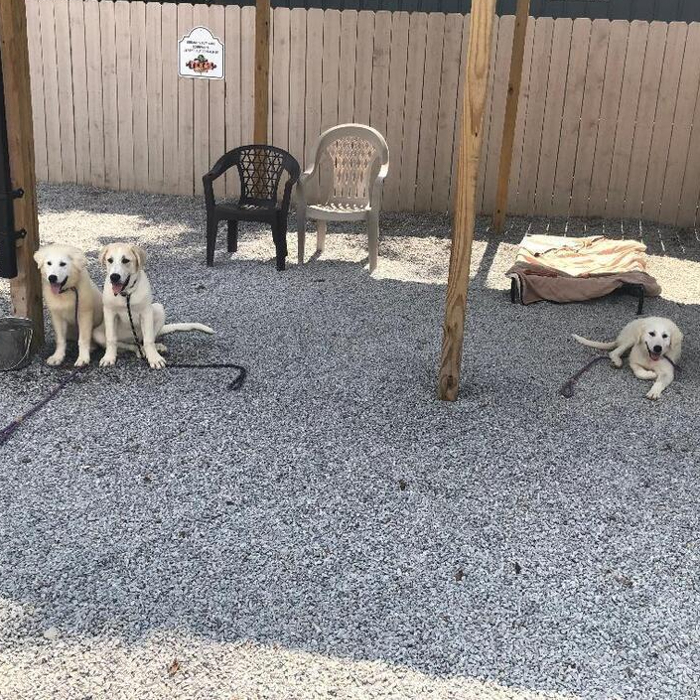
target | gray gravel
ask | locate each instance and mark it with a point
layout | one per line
(333, 530)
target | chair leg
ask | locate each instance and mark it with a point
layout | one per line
(212, 227)
(301, 236)
(373, 230)
(283, 234)
(320, 236)
(232, 236)
(280, 245)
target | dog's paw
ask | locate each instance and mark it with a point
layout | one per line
(653, 394)
(54, 360)
(616, 362)
(156, 361)
(108, 361)
(162, 349)
(82, 361)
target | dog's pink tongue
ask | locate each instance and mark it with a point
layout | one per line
(117, 289)
(55, 287)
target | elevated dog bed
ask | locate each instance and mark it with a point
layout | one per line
(554, 268)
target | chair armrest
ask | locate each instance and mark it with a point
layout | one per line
(375, 195)
(287, 196)
(208, 182)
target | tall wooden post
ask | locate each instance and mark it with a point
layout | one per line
(516, 74)
(25, 289)
(474, 101)
(262, 69)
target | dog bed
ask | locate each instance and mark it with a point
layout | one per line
(559, 269)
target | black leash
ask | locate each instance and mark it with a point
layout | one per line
(7, 432)
(234, 385)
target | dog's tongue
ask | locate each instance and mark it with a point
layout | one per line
(117, 288)
(56, 287)
(655, 355)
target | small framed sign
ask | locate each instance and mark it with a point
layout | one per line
(200, 55)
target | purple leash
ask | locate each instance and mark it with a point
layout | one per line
(7, 432)
(567, 388)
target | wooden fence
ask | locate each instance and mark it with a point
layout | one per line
(608, 125)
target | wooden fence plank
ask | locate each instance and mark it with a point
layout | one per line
(65, 90)
(418, 28)
(280, 79)
(51, 98)
(523, 106)
(331, 65)
(682, 183)
(169, 39)
(379, 98)
(553, 114)
(449, 85)
(110, 101)
(36, 70)
(200, 140)
(664, 119)
(125, 101)
(154, 88)
(232, 87)
(139, 93)
(624, 132)
(297, 83)
(460, 103)
(348, 57)
(501, 75)
(217, 103)
(185, 105)
(571, 120)
(646, 113)
(427, 139)
(314, 82)
(247, 73)
(363, 66)
(589, 115)
(94, 86)
(397, 89)
(544, 31)
(79, 95)
(609, 108)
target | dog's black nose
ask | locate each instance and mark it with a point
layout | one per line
(52, 278)
(657, 348)
(115, 277)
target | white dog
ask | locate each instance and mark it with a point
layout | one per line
(127, 280)
(65, 282)
(655, 345)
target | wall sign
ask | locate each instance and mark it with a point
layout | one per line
(200, 55)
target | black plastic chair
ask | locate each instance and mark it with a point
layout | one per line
(260, 170)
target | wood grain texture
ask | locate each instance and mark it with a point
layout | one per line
(25, 289)
(262, 70)
(477, 71)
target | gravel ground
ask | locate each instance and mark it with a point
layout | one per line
(333, 530)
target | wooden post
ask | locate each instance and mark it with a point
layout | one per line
(262, 69)
(474, 101)
(516, 75)
(25, 289)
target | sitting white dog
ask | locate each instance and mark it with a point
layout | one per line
(65, 283)
(655, 350)
(127, 280)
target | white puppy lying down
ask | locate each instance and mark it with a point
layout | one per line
(655, 345)
(65, 279)
(126, 278)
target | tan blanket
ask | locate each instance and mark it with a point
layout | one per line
(561, 269)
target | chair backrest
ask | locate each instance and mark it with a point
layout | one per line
(351, 156)
(260, 169)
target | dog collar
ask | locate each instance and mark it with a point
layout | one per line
(125, 290)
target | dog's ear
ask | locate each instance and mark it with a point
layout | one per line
(103, 255)
(39, 257)
(79, 260)
(676, 338)
(139, 255)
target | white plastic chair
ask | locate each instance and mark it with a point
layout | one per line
(351, 161)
